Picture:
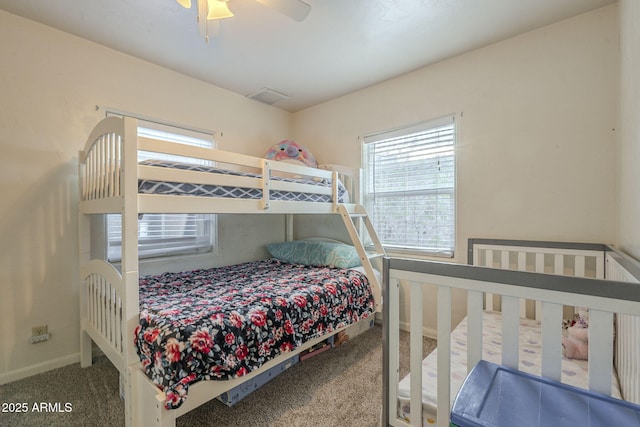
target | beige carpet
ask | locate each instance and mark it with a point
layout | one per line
(340, 387)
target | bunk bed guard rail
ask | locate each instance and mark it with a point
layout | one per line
(109, 170)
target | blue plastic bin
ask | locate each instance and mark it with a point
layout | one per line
(241, 391)
(496, 396)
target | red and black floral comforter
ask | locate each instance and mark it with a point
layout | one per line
(225, 322)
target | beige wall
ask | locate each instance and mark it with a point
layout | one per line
(536, 145)
(536, 153)
(629, 135)
(50, 84)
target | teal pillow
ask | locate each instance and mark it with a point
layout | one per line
(315, 253)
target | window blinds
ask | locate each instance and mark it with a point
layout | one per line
(410, 186)
(163, 234)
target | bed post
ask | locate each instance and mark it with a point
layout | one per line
(130, 304)
(385, 342)
(288, 227)
(85, 255)
(151, 411)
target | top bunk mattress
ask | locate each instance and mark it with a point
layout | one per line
(206, 190)
(225, 322)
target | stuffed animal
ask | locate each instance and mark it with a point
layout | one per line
(291, 150)
(576, 344)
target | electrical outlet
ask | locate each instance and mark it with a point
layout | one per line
(39, 334)
(39, 338)
(36, 331)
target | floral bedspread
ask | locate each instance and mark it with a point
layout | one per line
(225, 322)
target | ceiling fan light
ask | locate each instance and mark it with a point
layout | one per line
(218, 9)
(184, 3)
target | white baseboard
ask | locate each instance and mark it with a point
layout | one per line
(39, 368)
(427, 332)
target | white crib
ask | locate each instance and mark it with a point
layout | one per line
(552, 274)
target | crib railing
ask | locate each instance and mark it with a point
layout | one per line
(559, 258)
(603, 298)
(627, 349)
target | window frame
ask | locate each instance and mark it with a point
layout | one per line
(369, 140)
(205, 225)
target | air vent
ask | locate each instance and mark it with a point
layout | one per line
(268, 96)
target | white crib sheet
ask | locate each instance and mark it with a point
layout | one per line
(574, 372)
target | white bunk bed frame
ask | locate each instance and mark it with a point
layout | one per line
(109, 308)
(557, 278)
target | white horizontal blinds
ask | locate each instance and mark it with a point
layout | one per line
(410, 186)
(164, 234)
(167, 234)
(167, 133)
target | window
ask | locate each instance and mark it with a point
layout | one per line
(410, 187)
(166, 234)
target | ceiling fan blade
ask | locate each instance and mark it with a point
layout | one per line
(294, 9)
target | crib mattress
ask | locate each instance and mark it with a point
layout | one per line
(204, 190)
(225, 322)
(574, 372)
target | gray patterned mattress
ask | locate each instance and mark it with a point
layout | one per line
(205, 190)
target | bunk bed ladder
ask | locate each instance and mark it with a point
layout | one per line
(371, 252)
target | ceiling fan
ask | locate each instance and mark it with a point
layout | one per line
(218, 9)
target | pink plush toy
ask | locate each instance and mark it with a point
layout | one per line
(291, 150)
(576, 344)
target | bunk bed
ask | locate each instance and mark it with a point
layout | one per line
(237, 323)
(507, 281)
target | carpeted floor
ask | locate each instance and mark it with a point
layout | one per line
(340, 387)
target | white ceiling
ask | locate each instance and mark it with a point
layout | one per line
(342, 46)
